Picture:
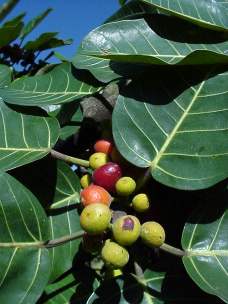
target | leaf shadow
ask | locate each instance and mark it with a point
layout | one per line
(40, 178)
(168, 27)
(160, 85)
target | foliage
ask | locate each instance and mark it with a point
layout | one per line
(170, 122)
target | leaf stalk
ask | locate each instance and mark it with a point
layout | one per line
(69, 159)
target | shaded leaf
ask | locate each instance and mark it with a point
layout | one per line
(60, 85)
(29, 27)
(135, 42)
(155, 136)
(5, 75)
(64, 218)
(11, 30)
(207, 13)
(153, 287)
(206, 245)
(46, 41)
(24, 138)
(60, 291)
(24, 268)
(131, 10)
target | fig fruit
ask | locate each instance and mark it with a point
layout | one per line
(114, 255)
(126, 230)
(95, 218)
(85, 181)
(98, 159)
(125, 186)
(95, 194)
(140, 202)
(107, 175)
(104, 146)
(152, 234)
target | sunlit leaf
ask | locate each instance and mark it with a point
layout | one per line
(181, 137)
(60, 85)
(206, 245)
(24, 138)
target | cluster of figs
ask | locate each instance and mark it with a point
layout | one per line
(107, 231)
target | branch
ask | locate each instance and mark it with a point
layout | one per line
(69, 159)
(47, 244)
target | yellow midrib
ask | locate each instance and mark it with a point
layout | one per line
(173, 133)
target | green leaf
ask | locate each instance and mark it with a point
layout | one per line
(11, 30)
(206, 245)
(182, 137)
(153, 287)
(60, 291)
(6, 8)
(24, 138)
(135, 42)
(206, 13)
(64, 218)
(5, 75)
(70, 117)
(60, 85)
(46, 41)
(29, 27)
(24, 266)
(132, 10)
(122, 2)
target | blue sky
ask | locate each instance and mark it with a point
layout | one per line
(71, 18)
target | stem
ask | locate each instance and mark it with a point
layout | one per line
(172, 250)
(48, 244)
(142, 181)
(69, 159)
(64, 239)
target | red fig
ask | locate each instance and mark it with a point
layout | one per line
(107, 175)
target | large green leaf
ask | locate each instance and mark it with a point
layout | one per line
(184, 142)
(24, 138)
(46, 41)
(64, 218)
(131, 10)
(11, 30)
(62, 84)
(107, 48)
(29, 27)
(25, 267)
(5, 75)
(207, 13)
(206, 246)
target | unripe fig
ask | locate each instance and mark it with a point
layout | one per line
(95, 218)
(152, 234)
(95, 194)
(114, 255)
(104, 146)
(107, 175)
(97, 160)
(126, 230)
(125, 186)
(85, 181)
(141, 202)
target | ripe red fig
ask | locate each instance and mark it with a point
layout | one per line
(107, 175)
